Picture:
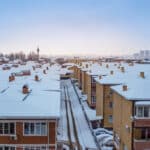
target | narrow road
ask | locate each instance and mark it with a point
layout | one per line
(78, 131)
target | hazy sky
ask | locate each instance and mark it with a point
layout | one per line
(75, 26)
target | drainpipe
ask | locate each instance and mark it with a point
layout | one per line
(133, 112)
(48, 133)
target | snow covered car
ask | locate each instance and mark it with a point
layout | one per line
(101, 137)
(108, 141)
(99, 131)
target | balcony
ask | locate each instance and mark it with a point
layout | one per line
(93, 85)
(141, 144)
(93, 93)
(141, 122)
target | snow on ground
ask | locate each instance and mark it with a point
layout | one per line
(63, 136)
(62, 125)
(85, 136)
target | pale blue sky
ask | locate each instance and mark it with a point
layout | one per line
(75, 26)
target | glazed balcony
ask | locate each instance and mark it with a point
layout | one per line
(141, 144)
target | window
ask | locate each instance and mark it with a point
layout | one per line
(110, 104)
(35, 148)
(93, 80)
(125, 147)
(110, 92)
(139, 111)
(110, 119)
(93, 99)
(39, 128)
(7, 148)
(145, 133)
(143, 111)
(7, 128)
(146, 111)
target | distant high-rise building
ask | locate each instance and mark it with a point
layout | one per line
(143, 54)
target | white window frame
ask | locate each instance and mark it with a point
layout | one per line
(35, 134)
(35, 147)
(3, 134)
(93, 79)
(93, 99)
(3, 147)
(137, 110)
(110, 118)
(110, 104)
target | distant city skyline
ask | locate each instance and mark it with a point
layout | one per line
(75, 27)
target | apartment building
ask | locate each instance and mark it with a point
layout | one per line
(131, 119)
(104, 100)
(30, 110)
(80, 70)
(84, 79)
(91, 90)
(89, 84)
(116, 74)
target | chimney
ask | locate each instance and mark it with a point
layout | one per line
(124, 88)
(44, 71)
(100, 77)
(86, 65)
(33, 67)
(142, 75)
(107, 66)
(25, 89)
(131, 64)
(36, 78)
(47, 68)
(11, 78)
(122, 69)
(111, 72)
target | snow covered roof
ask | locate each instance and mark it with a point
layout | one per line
(142, 103)
(128, 75)
(64, 71)
(137, 89)
(101, 69)
(91, 113)
(43, 100)
(68, 64)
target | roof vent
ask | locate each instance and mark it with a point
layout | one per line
(47, 68)
(142, 75)
(124, 87)
(25, 89)
(107, 66)
(86, 65)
